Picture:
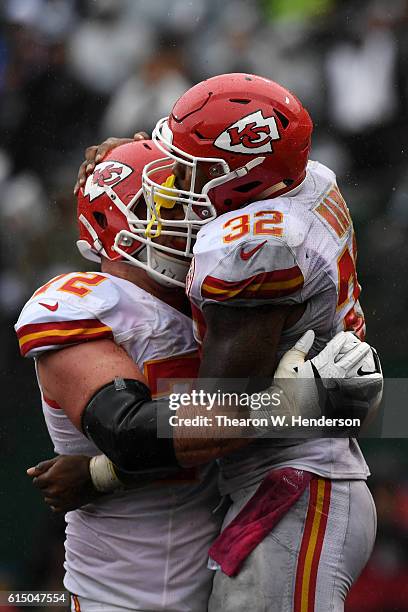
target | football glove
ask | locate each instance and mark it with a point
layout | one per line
(343, 381)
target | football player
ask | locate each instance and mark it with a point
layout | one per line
(143, 549)
(117, 331)
(280, 235)
(276, 257)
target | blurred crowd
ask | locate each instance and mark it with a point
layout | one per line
(73, 72)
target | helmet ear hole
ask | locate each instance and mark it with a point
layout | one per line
(101, 220)
(140, 204)
(247, 187)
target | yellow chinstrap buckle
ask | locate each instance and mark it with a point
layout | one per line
(161, 202)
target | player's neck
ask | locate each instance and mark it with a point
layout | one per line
(174, 297)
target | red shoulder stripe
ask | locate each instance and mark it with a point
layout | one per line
(264, 285)
(61, 333)
(33, 328)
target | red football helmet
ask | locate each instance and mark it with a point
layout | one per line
(253, 135)
(114, 221)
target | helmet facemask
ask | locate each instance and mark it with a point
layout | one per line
(197, 205)
(115, 223)
(167, 264)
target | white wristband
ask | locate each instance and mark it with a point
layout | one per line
(103, 474)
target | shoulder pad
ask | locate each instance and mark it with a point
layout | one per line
(255, 270)
(67, 310)
(321, 172)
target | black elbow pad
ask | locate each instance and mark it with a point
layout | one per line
(122, 420)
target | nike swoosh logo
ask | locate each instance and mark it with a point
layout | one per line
(245, 255)
(361, 372)
(51, 307)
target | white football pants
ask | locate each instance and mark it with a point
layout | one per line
(309, 561)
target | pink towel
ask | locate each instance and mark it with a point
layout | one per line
(273, 498)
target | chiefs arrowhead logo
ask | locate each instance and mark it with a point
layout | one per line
(251, 134)
(106, 173)
(106, 176)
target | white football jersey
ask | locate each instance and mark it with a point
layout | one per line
(144, 549)
(296, 248)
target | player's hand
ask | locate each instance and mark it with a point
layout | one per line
(352, 375)
(64, 482)
(95, 153)
(349, 371)
(344, 357)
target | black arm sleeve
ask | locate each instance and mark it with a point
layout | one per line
(122, 420)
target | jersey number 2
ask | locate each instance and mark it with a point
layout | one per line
(80, 285)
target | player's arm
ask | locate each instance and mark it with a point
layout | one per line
(64, 482)
(247, 337)
(68, 482)
(71, 376)
(240, 343)
(122, 420)
(85, 375)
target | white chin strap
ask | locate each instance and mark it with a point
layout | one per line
(164, 269)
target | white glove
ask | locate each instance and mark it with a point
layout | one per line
(350, 371)
(343, 381)
(338, 359)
